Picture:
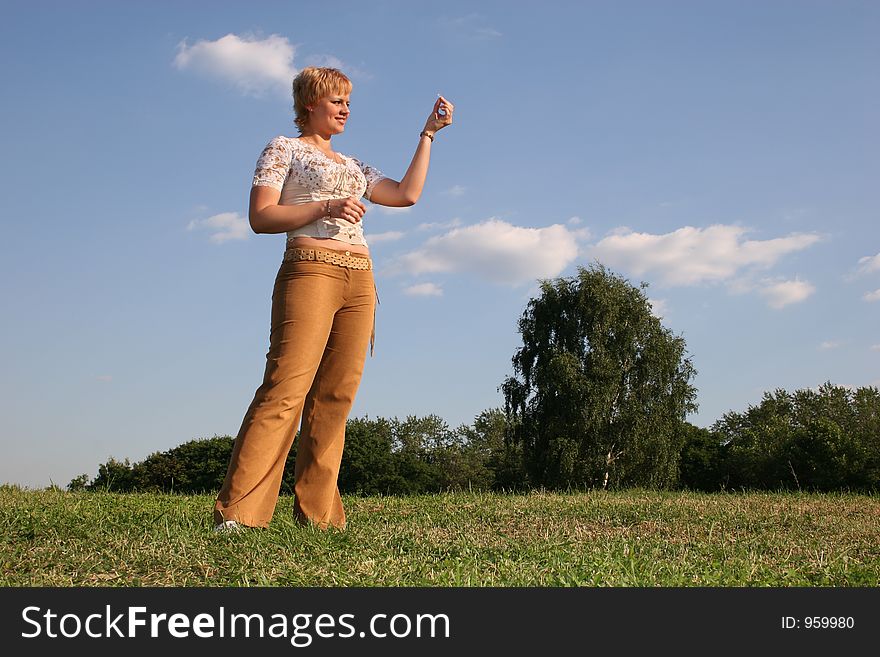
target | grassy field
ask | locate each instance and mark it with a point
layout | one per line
(632, 538)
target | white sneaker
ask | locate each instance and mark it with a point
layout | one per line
(227, 526)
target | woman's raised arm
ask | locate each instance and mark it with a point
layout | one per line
(406, 192)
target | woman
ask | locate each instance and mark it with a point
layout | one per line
(322, 305)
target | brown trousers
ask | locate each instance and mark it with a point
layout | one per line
(322, 321)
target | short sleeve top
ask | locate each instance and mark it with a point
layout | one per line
(303, 173)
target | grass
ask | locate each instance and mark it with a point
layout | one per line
(630, 538)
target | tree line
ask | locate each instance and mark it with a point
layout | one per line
(382, 457)
(811, 440)
(598, 398)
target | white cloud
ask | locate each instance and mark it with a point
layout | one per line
(872, 296)
(253, 65)
(497, 251)
(781, 293)
(456, 190)
(582, 234)
(875, 347)
(225, 226)
(693, 256)
(829, 344)
(104, 378)
(659, 307)
(424, 290)
(389, 236)
(869, 264)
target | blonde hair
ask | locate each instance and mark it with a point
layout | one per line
(311, 85)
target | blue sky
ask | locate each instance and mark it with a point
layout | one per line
(726, 153)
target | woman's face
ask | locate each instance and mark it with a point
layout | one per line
(328, 115)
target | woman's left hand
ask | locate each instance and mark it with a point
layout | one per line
(441, 115)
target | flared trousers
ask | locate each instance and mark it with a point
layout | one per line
(323, 317)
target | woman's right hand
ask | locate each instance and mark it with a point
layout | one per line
(351, 209)
(440, 117)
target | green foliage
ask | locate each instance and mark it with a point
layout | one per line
(414, 444)
(78, 483)
(422, 455)
(113, 476)
(823, 440)
(492, 462)
(196, 466)
(382, 457)
(600, 389)
(368, 467)
(702, 457)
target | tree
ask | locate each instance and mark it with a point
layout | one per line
(368, 464)
(600, 388)
(702, 455)
(825, 439)
(196, 466)
(490, 460)
(755, 443)
(78, 483)
(113, 476)
(415, 441)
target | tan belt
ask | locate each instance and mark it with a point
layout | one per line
(345, 259)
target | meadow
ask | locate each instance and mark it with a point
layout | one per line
(595, 538)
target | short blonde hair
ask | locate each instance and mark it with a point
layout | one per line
(311, 85)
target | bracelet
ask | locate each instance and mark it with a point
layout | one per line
(327, 209)
(425, 133)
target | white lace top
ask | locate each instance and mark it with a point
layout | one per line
(303, 173)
